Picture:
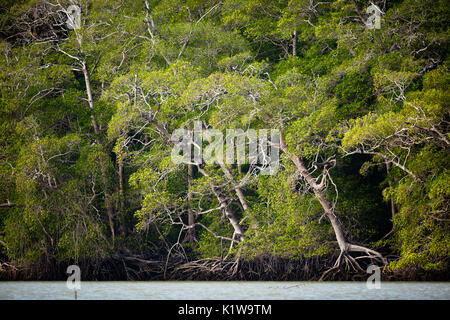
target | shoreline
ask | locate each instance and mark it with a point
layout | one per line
(259, 269)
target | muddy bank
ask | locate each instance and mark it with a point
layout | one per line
(264, 268)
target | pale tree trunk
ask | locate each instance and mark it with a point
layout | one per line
(81, 61)
(191, 234)
(238, 231)
(90, 99)
(238, 190)
(344, 246)
(103, 166)
(294, 43)
(239, 193)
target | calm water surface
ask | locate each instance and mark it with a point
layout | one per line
(186, 290)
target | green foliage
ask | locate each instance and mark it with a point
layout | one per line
(83, 179)
(290, 226)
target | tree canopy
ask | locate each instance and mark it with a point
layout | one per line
(87, 116)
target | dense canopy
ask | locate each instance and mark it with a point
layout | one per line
(87, 115)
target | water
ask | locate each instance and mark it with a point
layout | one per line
(189, 290)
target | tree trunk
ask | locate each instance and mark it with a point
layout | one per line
(108, 201)
(344, 246)
(294, 43)
(123, 226)
(121, 175)
(239, 193)
(103, 168)
(238, 232)
(191, 234)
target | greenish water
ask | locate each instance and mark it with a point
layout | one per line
(187, 290)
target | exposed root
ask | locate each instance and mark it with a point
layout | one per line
(347, 266)
(267, 267)
(204, 268)
(345, 262)
(371, 254)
